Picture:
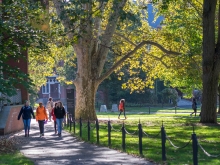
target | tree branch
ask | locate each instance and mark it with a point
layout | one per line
(106, 38)
(119, 62)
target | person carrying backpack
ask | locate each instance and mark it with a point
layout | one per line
(50, 107)
(121, 108)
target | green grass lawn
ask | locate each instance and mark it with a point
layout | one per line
(14, 159)
(179, 128)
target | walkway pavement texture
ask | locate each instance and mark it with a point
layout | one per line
(68, 150)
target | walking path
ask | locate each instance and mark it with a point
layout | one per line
(68, 150)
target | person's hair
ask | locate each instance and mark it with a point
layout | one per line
(61, 104)
(50, 99)
(26, 101)
(55, 104)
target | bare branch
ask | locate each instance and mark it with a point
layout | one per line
(139, 46)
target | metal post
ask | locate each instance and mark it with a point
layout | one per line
(149, 110)
(68, 120)
(123, 137)
(163, 140)
(109, 133)
(80, 127)
(74, 126)
(175, 109)
(97, 130)
(70, 123)
(88, 130)
(195, 148)
(140, 138)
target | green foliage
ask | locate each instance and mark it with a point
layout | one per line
(169, 94)
(17, 36)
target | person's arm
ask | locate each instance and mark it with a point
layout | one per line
(45, 113)
(32, 112)
(64, 111)
(36, 114)
(20, 113)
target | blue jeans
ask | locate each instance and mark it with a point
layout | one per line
(59, 125)
(27, 123)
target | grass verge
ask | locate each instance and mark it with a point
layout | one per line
(179, 128)
(14, 158)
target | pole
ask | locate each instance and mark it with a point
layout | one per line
(109, 133)
(163, 140)
(88, 130)
(123, 137)
(195, 148)
(97, 130)
(80, 127)
(140, 138)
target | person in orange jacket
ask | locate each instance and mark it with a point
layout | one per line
(41, 116)
(54, 118)
(121, 108)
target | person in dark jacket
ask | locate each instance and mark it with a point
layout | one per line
(59, 112)
(26, 112)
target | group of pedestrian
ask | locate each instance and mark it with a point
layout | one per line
(56, 111)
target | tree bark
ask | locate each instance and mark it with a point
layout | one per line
(210, 64)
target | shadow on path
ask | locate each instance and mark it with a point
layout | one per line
(68, 150)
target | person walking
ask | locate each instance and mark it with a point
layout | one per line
(194, 106)
(59, 112)
(26, 112)
(121, 108)
(41, 118)
(54, 118)
(50, 106)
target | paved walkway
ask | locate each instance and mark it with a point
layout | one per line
(68, 150)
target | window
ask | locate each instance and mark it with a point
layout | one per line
(45, 89)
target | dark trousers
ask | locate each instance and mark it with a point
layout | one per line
(41, 126)
(121, 112)
(55, 126)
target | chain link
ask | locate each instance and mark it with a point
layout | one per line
(177, 146)
(209, 155)
(150, 135)
(131, 133)
(115, 129)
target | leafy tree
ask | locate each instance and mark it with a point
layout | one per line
(17, 35)
(95, 29)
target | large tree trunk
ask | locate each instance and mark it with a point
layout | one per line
(210, 64)
(85, 99)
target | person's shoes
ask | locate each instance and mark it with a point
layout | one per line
(118, 117)
(55, 132)
(125, 117)
(42, 134)
(25, 135)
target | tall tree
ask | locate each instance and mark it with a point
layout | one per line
(92, 26)
(211, 61)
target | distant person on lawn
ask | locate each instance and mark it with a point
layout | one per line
(26, 112)
(41, 117)
(121, 108)
(194, 106)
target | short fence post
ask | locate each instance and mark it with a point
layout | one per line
(195, 148)
(163, 140)
(140, 138)
(109, 133)
(175, 109)
(88, 130)
(70, 122)
(80, 127)
(123, 137)
(74, 126)
(97, 130)
(149, 110)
